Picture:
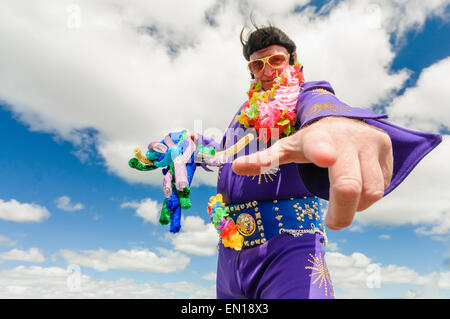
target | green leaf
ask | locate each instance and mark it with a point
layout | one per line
(287, 130)
(283, 122)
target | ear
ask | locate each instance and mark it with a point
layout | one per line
(294, 55)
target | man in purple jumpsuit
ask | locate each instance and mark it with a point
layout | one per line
(347, 155)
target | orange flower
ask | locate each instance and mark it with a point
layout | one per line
(229, 230)
(235, 241)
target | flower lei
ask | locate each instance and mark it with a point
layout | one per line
(274, 108)
(226, 228)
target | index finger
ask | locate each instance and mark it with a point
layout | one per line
(305, 146)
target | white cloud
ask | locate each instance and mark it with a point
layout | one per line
(354, 274)
(349, 275)
(135, 259)
(385, 236)
(427, 185)
(406, 14)
(192, 290)
(94, 77)
(267, 9)
(331, 246)
(210, 276)
(148, 209)
(13, 210)
(32, 255)
(52, 282)
(5, 241)
(422, 107)
(425, 106)
(64, 203)
(196, 237)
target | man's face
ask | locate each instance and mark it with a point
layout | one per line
(268, 74)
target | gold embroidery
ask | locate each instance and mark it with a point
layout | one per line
(269, 174)
(321, 271)
(319, 107)
(321, 91)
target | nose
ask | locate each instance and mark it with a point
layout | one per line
(268, 71)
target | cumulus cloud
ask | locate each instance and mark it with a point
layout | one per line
(350, 275)
(196, 237)
(192, 289)
(210, 276)
(5, 241)
(428, 186)
(13, 210)
(332, 246)
(53, 282)
(142, 260)
(65, 203)
(118, 76)
(357, 276)
(421, 107)
(34, 255)
(148, 209)
(425, 106)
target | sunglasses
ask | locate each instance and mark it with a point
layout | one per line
(276, 61)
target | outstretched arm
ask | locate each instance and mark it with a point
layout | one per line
(358, 158)
(346, 155)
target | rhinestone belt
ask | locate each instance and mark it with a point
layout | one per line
(258, 221)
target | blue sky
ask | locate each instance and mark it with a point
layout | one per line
(52, 146)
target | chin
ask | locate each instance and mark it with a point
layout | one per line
(267, 84)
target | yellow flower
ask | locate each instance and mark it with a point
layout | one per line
(236, 240)
(214, 199)
(243, 119)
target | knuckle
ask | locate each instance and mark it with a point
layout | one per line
(385, 141)
(372, 195)
(347, 187)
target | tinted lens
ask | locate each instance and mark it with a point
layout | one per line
(256, 66)
(277, 60)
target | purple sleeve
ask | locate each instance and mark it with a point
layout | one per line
(409, 146)
(317, 100)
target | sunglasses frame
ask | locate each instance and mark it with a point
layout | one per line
(266, 60)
